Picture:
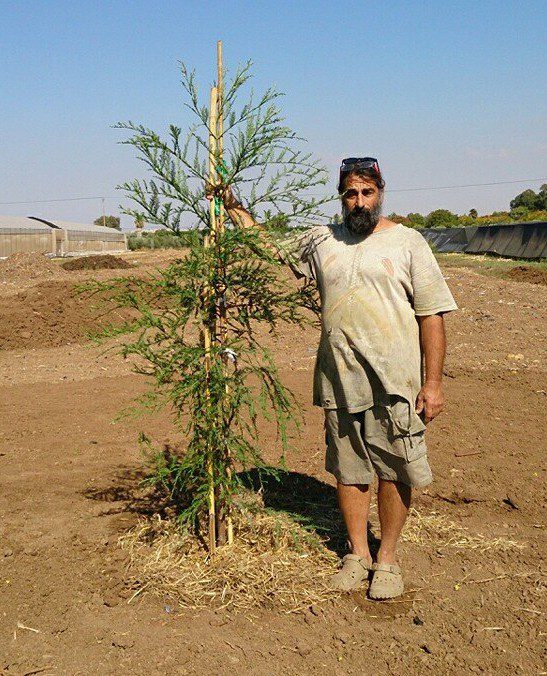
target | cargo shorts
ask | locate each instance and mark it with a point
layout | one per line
(387, 440)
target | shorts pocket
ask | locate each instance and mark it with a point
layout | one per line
(401, 419)
(396, 428)
(411, 447)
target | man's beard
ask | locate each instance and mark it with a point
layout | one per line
(361, 221)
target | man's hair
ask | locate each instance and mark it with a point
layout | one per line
(365, 173)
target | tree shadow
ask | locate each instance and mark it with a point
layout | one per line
(308, 500)
(126, 490)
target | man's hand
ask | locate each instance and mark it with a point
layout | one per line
(224, 192)
(430, 399)
(237, 213)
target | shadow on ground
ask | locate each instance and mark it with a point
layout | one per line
(128, 493)
(310, 501)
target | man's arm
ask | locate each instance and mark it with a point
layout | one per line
(433, 341)
(236, 211)
(241, 218)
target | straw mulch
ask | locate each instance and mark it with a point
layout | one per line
(274, 562)
(437, 531)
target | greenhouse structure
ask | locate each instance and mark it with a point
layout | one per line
(19, 234)
(72, 239)
(22, 234)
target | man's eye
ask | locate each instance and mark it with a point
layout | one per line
(351, 193)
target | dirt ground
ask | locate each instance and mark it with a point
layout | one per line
(69, 488)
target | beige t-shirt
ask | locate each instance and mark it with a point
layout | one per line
(371, 288)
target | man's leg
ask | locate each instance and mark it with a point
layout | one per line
(393, 504)
(354, 501)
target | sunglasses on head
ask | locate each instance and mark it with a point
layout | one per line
(354, 163)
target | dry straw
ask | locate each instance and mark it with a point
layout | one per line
(436, 530)
(274, 562)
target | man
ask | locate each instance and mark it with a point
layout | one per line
(382, 302)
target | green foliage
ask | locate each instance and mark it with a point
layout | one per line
(410, 220)
(109, 222)
(416, 221)
(530, 201)
(525, 207)
(441, 218)
(519, 213)
(159, 239)
(397, 218)
(262, 161)
(276, 223)
(227, 290)
(217, 409)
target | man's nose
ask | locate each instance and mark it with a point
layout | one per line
(360, 200)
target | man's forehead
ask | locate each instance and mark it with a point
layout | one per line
(359, 182)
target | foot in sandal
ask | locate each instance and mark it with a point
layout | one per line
(387, 581)
(354, 571)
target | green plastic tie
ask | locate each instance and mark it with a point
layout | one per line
(222, 169)
(217, 206)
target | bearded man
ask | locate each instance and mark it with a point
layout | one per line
(379, 364)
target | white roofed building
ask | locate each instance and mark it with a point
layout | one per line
(79, 238)
(19, 234)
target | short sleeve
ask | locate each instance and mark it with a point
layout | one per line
(297, 252)
(429, 289)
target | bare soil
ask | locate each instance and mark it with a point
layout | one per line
(524, 273)
(96, 262)
(69, 487)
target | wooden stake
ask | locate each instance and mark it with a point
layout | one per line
(207, 330)
(220, 148)
(220, 100)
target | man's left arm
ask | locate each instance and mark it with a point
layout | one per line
(433, 342)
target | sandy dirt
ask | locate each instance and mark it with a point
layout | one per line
(69, 488)
(525, 273)
(96, 262)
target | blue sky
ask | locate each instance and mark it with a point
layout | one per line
(443, 93)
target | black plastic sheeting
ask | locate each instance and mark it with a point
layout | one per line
(449, 240)
(515, 240)
(518, 240)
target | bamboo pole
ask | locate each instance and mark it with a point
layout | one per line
(207, 331)
(220, 226)
(220, 101)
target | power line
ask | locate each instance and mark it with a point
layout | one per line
(416, 189)
(67, 199)
(467, 185)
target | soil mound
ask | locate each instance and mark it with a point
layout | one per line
(29, 265)
(98, 262)
(525, 273)
(50, 315)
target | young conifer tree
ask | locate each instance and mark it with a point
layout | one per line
(195, 323)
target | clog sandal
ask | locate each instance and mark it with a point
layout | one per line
(354, 571)
(387, 581)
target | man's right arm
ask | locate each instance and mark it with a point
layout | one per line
(241, 218)
(235, 210)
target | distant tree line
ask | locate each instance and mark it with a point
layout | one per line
(526, 206)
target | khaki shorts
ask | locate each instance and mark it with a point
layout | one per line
(386, 440)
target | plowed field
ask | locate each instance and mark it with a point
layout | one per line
(69, 488)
